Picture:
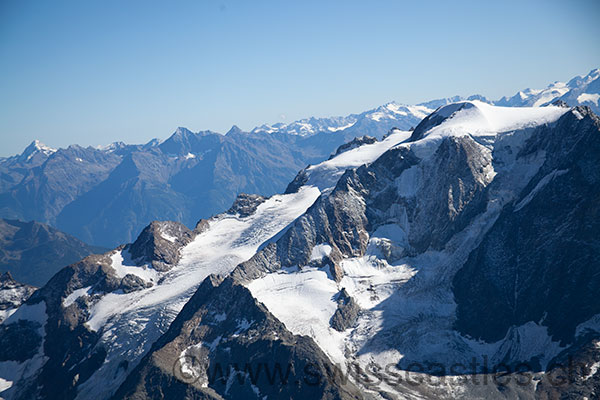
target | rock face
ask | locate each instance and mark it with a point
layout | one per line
(367, 198)
(224, 344)
(159, 243)
(72, 350)
(12, 295)
(246, 204)
(33, 252)
(539, 262)
(346, 313)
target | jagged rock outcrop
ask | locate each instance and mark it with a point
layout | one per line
(12, 294)
(224, 344)
(246, 204)
(346, 313)
(371, 196)
(160, 243)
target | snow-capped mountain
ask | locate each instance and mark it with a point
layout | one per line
(382, 260)
(82, 191)
(535, 97)
(376, 122)
(581, 90)
(34, 149)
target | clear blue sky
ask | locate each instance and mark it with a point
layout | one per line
(92, 72)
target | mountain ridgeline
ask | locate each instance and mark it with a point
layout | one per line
(105, 196)
(456, 260)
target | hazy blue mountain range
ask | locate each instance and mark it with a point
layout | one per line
(106, 195)
(33, 252)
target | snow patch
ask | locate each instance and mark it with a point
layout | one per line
(304, 302)
(320, 251)
(123, 265)
(27, 312)
(340, 128)
(593, 369)
(4, 384)
(75, 295)
(588, 97)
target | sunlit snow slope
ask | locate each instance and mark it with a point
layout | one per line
(406, 303)
(132, 322)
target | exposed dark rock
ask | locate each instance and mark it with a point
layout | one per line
(574, 373)
(131, 283)
(19, 341)
(560, 103)
(246, 204)
(12, 293)
(347, 312)
(201, 226)
(221, 334)
(160, 243)
(354, 143)
(366, 198)
(298, 182)
(539, 262)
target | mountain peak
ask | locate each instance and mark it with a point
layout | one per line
(36, 147)
(234, 129)
(181, 132)
(478, 118)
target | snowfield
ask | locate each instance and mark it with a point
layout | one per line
(326, 174)
(407, 308)
(132, 322)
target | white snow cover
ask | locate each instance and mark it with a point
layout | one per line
(303, 301)
(132, 322)
(407, 307)
(47, 150)
(122, 264)
(4, 314)
(27, 312)
(320, 251)
(13, 371)
(326, 174)
(388, 113)
(589, 97)
(412, 294)
(479, 119)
